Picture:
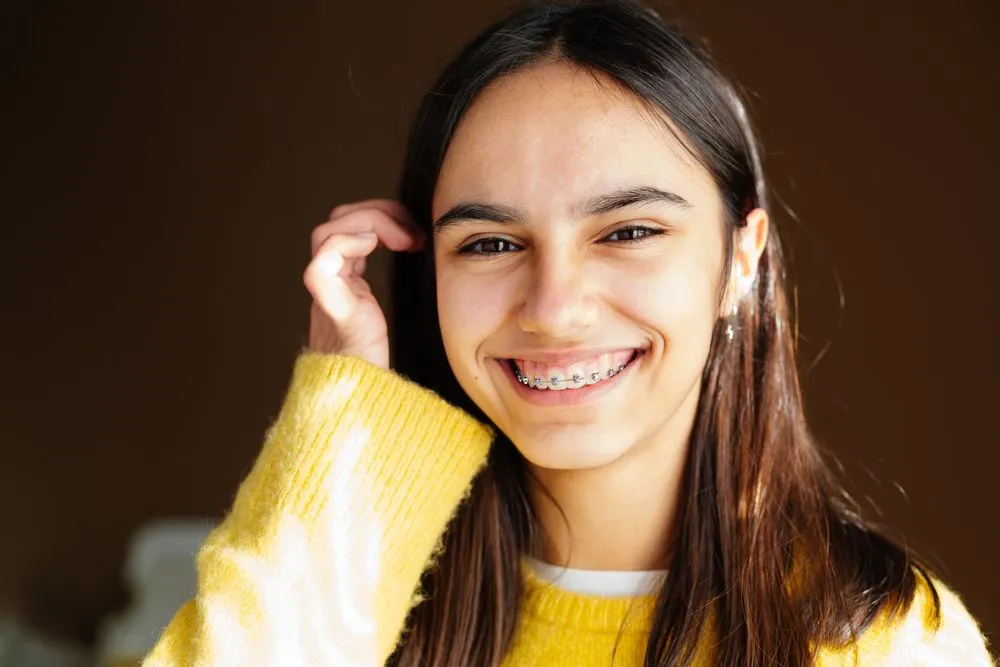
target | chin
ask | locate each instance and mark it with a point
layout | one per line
(569, 448)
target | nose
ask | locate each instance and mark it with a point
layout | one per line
(559, 301)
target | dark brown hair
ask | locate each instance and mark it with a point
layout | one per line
(770, 553)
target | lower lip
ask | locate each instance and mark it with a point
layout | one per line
(557, 397)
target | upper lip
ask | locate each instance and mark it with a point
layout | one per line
(566, 357)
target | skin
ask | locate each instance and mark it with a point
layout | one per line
(543, 142)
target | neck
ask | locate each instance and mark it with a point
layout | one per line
(621, 516)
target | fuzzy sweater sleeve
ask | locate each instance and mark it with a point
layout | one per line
(319, 559)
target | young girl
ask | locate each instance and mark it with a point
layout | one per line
(631, 480)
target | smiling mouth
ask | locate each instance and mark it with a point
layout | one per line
(578, 379)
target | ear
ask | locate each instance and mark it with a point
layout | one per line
(750, 241)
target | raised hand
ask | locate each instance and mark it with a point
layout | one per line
(346, 318)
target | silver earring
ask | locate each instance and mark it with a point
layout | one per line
(730, 329)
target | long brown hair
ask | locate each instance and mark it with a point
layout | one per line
(770, 556)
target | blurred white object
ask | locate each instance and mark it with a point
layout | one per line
(22, 647)
(160, 573)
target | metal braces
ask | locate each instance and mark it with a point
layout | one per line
(577, 379)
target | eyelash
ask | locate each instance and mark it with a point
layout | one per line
(636, 232)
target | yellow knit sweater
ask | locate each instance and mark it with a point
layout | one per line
(319, 560)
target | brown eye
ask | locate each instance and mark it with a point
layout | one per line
(489, 246)
(630, 233)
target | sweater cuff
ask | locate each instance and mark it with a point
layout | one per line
(418, 450)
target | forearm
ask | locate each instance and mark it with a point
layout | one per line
(320, 557)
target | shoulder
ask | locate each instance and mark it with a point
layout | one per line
(937, 634)
(936, 629)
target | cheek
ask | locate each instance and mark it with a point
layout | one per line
(675, 296)
(470, 308)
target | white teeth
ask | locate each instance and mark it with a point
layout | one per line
(577, 377)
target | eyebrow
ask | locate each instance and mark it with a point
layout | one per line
(599, 205)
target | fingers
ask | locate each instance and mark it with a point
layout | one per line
(386, 219)
(336, 261)
(339, 250)
(344, 254)
(332, 294)
(390, 207)
(329, 288)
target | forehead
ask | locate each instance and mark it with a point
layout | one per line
(554, 134)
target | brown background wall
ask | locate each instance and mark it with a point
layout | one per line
(164, 163)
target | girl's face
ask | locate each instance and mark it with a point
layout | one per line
(579, 249)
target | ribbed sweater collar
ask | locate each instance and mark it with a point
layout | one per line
(551, 604)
